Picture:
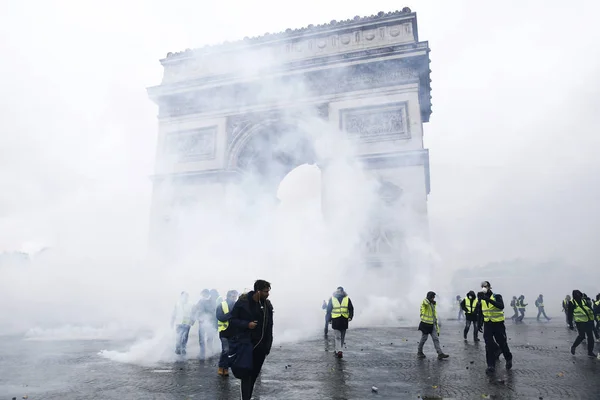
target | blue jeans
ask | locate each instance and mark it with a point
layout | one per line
(183, 332)
(206, 337)
(224, 360)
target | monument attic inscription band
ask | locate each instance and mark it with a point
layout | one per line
(220, 116)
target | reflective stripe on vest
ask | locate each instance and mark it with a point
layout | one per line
(471, 304)
(491, 312)
(339, 310)
(224, 325)
(427, 312)
(582, 313)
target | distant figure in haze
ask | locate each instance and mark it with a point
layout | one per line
(565, 308)
(470, 305)
(204, 313)
(581, 312)
(539, 303)
(324, 308)
(513, 304)
(182, 319)
(223, 314)
(340, 311)
(252, 320)
(494, 331)
(460, 309)
(429, 326)
(521, 306)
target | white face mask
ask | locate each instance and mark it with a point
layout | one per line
(484, 290)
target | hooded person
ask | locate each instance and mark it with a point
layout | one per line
(204, 313)
(470, 305)
(252, 335)
(429, 326)
(182, 320)
(340, 311)
(494, 330)
(581, 312)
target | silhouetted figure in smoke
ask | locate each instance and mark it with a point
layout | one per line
(223, 314)
(182, 319)
(580, 311)
(494, 331)
(324, 308)
(252, 319)
(539, 303)
(429, 326)
(461, 314)
(597, 315)
(340, 311)
(204, 313)
(513, 304)
(470, 305)
(521, 306)
(565, 308)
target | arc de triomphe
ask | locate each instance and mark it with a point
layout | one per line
(225, 110)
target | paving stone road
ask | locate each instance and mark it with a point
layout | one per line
(384, 357)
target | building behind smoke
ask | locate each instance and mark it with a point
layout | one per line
(252, 110)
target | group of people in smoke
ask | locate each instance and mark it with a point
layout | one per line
(517, 303)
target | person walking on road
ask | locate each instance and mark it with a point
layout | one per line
(521, 306)
(494, 330)
(429, 326)
(223, 314)
(340, 311)
(470, 305)
(565, 308)
(324, 308)
(182, 320)
(581, 312)
(539, 303)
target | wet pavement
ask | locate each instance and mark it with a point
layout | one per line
(384, 358)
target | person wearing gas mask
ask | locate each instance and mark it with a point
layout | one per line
(580, 311)
(429, 326)
(494, 331)
(470, 305)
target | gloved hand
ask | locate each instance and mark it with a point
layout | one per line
(480, 295)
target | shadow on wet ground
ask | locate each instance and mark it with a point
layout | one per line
(380, 357)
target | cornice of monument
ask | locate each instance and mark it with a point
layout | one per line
(290, 34)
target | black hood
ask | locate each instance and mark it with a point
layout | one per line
(577, 295)
(471, 294)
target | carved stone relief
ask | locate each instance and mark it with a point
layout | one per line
(375, 124)
(192, 145)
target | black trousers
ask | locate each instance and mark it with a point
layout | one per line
(540, 312)
(585, 329)
(597, 331)
(494, 334)
(247, 384)
(468, 326)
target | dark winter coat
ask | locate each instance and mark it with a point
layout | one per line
(474, 316)
(224, 317)
(247, 310)
(341, 323)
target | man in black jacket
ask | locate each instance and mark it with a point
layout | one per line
(223, 314)
(470, 305)
(494, 331)
(252, 319)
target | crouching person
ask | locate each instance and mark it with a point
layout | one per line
(252, 322)
(225, 330)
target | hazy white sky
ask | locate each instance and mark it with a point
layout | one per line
(513, 137)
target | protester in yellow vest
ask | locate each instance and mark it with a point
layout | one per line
(565, 308)
(470, 305)
(494, 331)
(581, 312)
(429, 326)
(223, 315)
(339, 311)
(182, 319)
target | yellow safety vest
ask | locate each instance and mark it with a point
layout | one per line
(427, 312)
(582, 313)
(491, 312)
(224, 325)
(471, 305)
(339, 310)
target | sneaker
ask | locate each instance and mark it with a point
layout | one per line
(421, 355)
(441, 356)
(490, 370)
(509, 364)
(592, 354)
(476, 340)
(573, 350)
